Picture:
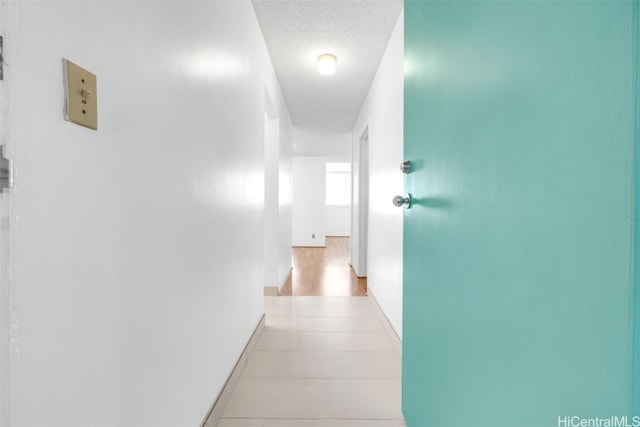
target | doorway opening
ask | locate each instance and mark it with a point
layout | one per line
(324, 271)
(271, 197)
(322, 211)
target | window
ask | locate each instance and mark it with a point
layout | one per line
(338, 184)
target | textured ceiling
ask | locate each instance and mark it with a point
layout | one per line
(298, 31)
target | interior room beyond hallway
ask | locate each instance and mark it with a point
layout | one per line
(324, 271)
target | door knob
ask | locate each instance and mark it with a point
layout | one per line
(403, 201)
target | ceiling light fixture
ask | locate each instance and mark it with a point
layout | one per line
(326, 64)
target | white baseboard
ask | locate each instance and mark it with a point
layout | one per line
(286, 279)
(217, 409)
(397, 342)
(274, 291)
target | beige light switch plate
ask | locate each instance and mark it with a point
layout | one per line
(81, 95)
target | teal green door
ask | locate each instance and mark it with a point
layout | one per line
(518, 293)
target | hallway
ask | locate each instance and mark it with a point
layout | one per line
(135, 252)
(321, 361)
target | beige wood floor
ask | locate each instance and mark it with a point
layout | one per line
(324, 271)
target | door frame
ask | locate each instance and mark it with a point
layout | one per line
(271, 282)
(635, 404)
(6, 379)
(360, 203)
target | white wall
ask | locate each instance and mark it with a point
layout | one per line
(338, 220)
(336, 147)
(137, 266)
(309, 180)
(382, 111)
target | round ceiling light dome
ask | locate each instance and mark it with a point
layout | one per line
(326, 64)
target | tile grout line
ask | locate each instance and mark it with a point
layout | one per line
(307, 319)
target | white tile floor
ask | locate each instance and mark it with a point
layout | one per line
(320, 362)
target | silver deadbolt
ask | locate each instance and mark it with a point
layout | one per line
(405, 166)
(6, 171)
(402, 201)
